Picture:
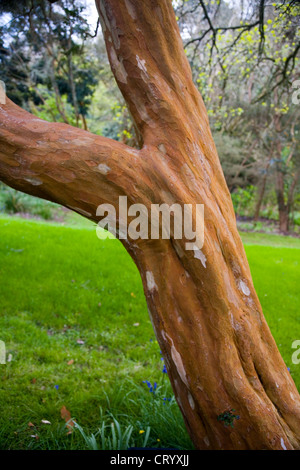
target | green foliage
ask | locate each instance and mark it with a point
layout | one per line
(12, 202)
(296, 218)
(243, 200)
(14, 62)
(111, 436)
(48, 109)
(246, 78)
(48, 50)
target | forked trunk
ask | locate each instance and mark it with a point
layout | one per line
(219, 351)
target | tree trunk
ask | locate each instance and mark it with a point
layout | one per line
(261, 192)
(283, 208)
(58, 99)
(284, 221)
(260, 198)
(72, 82)
(219, 351)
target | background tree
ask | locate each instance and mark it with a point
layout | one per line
(51, 38)
(245, 72)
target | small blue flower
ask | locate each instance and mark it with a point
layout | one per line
(56, 386)
(147, 382)
(151, 388)
(164, 369)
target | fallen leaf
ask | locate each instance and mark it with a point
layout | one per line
(132, 294)
(9, 359)
(45, 421)
(35, 436)
(33, 381)
(66, 415)
(70, 362)
(31, 425)
(136, 324)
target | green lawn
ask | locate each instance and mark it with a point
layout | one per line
(68, 297)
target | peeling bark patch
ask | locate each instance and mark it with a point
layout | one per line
(130, 9)
(103, 168)
(162, 148)
(206, 441)
(83, 141)
(199, 255)
(179, 364)
(33, 181)
(150, 281)
(191, 401)
(118, 66)
(103, 16)
(244, 288)
(282, 444)
(176, 357)
(143, 113)
(159, 14)
(141, 64)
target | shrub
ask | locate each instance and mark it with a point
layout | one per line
(243, 200)
(13, 202)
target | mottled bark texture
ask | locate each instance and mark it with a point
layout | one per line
(218, 349)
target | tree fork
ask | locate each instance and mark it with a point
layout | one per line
(219, 351)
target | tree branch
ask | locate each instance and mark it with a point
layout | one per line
(54, 160)
(147, 56)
